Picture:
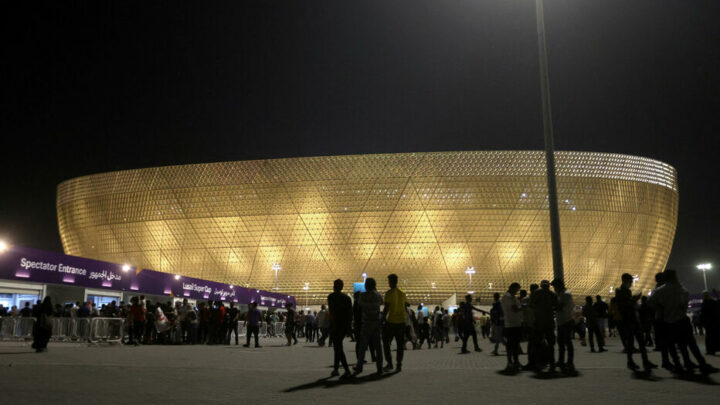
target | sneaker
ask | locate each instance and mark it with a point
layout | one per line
(334, 373)
(357, 369)
(346, 375)
(602, 349)
(398, 368)
(647, 365)
(464, 351)
(246, 345)
(477, 349)
(256, 346)
(389, 367)
(632, 366)
(509, 368)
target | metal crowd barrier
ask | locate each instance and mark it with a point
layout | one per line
(16, 328)
(109, 330)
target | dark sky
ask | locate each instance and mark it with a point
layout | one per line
(96, 86)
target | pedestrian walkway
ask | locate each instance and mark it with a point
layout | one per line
(71, 373)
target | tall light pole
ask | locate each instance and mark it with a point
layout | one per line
(704, 267)
(558, 271)
(276, 267)
(470, 271)
(364, 276)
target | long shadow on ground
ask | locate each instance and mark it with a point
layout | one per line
(328, 383)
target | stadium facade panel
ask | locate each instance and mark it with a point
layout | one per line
(425, 216)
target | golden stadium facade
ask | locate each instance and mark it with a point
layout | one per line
(425, 216)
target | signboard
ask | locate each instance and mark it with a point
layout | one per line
(358, 287)
(26, 264)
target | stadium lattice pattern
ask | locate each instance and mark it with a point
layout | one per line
(425, 216)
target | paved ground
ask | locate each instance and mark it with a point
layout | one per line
(80, 374)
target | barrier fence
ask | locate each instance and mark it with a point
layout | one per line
(96, 330)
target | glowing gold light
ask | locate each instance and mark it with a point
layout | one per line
(423, 216)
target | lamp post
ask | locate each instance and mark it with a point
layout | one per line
(558, 271)
(364, 276)
(704, 267)
(276, 267)
(470, 271)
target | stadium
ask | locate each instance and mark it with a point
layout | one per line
(428, 217)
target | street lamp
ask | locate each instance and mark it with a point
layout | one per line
(704, 267)
(558, 271)
(470, 271)
(276, 267)
(364, 276)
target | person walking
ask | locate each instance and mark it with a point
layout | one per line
(512, 308)
(467, 323)
(629, 323)
(42, 331)
(593, 326)
(395, 315)
(369, 303)
(252, 324)
(565, 326)
(601, 309)
(323, 322)
(309, 320)
(290, 325)
(340, 322)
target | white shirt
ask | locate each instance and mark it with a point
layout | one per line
(513, 315)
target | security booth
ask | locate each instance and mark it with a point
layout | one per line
(102, 297)
(18, 293)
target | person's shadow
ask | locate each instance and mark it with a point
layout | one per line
(328, 383)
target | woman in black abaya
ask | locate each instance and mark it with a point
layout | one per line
(43, 326)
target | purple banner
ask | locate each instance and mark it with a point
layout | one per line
(26, 264)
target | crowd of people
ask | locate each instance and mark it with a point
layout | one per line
(543, 318)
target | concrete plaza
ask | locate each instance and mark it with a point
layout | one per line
(79, 374)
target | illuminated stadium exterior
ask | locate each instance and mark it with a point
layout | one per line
(425, 216)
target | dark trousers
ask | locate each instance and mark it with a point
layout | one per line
(629, 332)
(136, 331)
(358, 343)
(595, 332)
(370, 336)
(394, 331)
(323, 336)
(232, 327)
(681, 333)
(512, 347)
(308, 332)
(253, 330)
(203, 332)
(564, 340)
(468, 330)
(339, 354)
(543, 343)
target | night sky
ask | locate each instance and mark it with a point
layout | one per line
(89, 87)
